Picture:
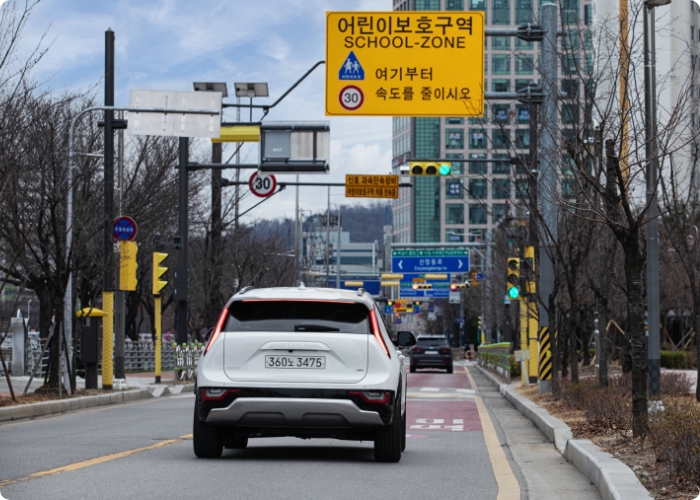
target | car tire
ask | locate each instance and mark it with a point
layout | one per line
(403, 432)
(236, 441)
(449, 369)
(206, 439)
(388, 439)
(413, 369)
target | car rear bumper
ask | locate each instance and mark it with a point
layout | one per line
(294, 412)
(431, 362)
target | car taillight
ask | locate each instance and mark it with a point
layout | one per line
(377, 333)
(217, 394)
(217, 330)
(445, 350)
(417, 350)
(372, 397)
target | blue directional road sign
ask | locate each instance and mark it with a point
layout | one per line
(447, 260)
(388, 309)
(480, 276)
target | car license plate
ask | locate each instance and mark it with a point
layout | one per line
(296, 362)
(431, 352)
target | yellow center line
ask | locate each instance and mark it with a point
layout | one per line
(93, 461)
(508, 487)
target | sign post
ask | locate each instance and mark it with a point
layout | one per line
(405, 63)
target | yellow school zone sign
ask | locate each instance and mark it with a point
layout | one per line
(405, 63)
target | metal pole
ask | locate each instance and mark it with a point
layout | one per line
(654, 361)
(159, 337)
(337, 259)
(547, 179)
(181, 273)
(107, 251)
(297, 255)
(119, 295)
(238, 173)
(216, 237)
(328, 235)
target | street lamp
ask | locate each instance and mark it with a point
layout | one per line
(654, 342)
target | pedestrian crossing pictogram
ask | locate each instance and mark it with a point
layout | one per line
(351, 69)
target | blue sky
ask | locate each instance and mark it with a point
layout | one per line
(168, 44)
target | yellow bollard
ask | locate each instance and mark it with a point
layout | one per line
(107, 339)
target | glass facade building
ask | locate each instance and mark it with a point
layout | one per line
(487, 186)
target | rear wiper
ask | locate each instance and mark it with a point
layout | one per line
(315, 328)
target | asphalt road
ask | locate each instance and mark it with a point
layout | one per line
(144, 450)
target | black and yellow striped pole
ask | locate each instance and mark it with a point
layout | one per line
(545, 361)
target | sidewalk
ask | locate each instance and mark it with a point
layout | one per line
(136, 380)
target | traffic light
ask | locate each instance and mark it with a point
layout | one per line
(128, 251)
(459, 286)
(475, 282)
(422, 286)
(513, 278)
(430, 168)
(158, 272)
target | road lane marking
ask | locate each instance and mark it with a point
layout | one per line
(508, 487)
(94, 461)
(429, 389)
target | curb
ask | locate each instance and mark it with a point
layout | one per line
(50, 407)
(613, 479)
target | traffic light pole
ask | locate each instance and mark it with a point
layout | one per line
(107, 244)
(181, 272)
(547, 179)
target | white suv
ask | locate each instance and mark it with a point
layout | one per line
(303, 362)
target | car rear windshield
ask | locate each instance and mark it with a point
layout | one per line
(298, 316)
(432, 341)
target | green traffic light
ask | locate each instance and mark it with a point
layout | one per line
(445, 169)
(513, 292)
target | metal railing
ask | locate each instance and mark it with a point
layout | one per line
(496, 357)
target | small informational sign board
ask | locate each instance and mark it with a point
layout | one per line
(262, 185)
(388, 309)
(430, 260)
(405, 63)
(174, 121)
(372, 186)
(323, 220)
(523, 355)
(455, 297)
(124, 228)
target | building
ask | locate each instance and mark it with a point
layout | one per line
(469, 204)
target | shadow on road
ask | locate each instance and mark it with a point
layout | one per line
(302, 453)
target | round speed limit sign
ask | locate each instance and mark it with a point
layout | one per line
(351, 97)
(262, 185)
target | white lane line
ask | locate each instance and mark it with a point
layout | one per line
(429, 389)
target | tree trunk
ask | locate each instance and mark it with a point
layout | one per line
(602, 349)
(635, 297)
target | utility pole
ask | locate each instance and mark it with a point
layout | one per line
(107, 251)
(215, 259)
(337, 259)
(328, 235)
(547, 178)
(653, 319)
(181, 272)
(119, 295)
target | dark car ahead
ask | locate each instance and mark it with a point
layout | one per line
(431, 352)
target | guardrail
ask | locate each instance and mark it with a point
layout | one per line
(496, 357)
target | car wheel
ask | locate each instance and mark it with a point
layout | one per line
(207, 439)
(236, 441)
(388, 440)
(413, 369)
(449, 369)
(403, 432)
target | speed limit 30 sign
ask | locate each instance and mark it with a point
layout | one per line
(262, 185)
(351, 97)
